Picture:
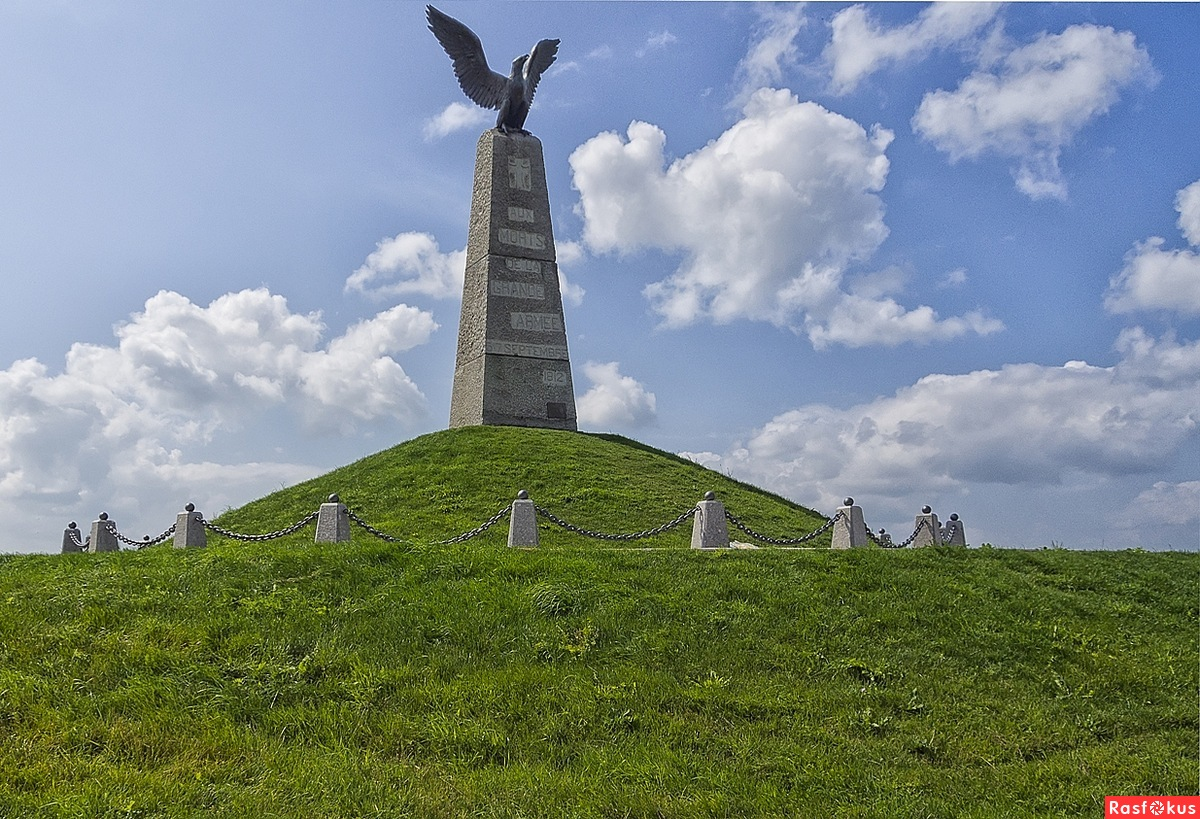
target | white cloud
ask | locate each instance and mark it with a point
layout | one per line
(1157, 279)
(859, 46)
(1173, 504)
(614, 401)
(1187, 202)
(772, 51)
(1024, 424)
(1034, 103)
(766, 230)
(122, 425)
(410, 263)
(656, 42)
(456, 116)
(568, 253)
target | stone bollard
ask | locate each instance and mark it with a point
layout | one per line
(333, 522)
(954, 533)
(849, 532)
(709, 529)
(929, 533)
(72, 539)
(104, 536)
(522, 524)
(189, 528)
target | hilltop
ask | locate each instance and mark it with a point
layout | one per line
(293, 679)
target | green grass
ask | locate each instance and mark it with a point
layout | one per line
(441, 485)
(290, 679)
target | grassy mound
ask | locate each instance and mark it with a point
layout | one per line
(443, 484)
(290, 679)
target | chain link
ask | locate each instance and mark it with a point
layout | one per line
(295, 527)
(140, 544)
(921, 525)
(658, 530)
(784, 541)
(465, 536)
(478, 530)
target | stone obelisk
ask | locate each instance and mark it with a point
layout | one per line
(512, 366)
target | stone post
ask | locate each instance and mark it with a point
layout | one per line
(512, 366)
(73, 539)
(189, 529)
(333, 522)
(104, 538)
(522, 524)
(709, 529)
(955, 534)
(930, 533)
(850, 531)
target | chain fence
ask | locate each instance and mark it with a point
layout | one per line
(658, 530)
(72, 541)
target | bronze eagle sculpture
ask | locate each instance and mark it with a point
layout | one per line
(511, 95)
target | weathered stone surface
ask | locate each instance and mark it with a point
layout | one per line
(954, 533)
(709, 529)
(72, 539)
(333, 523)
(849, 531)
(189, 529)
(104, 536)
(930, 533)
(512, 365)
(522, 524)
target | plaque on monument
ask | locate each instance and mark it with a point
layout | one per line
(512, 365)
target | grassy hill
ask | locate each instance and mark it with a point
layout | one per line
(288, 679)
(440, 485)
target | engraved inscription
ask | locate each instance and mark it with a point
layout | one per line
(518, 290)
(538, 322)
(519, 174)
(520, 214)
(554, 378)
(522, 238)
(523, 265)
(557, 351)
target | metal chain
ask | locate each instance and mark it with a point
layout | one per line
(658, 530)
(923, 524)
(376, 532)
(784, 541)
(478, 530)
(295, 527)
(465, 536)
(140, 544)
(73, 534)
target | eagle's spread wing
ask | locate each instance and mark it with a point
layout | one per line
(541, 58)
(483, 85)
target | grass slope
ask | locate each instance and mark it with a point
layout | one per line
(290, 679)
(443, 484)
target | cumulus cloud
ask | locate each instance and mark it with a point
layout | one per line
(410, 263)
(1034, 102)
(181, 375)
(569, 253)
(766, 230)
(859, 46)
(1158, 279)
(1187, 202)
(1024, 424)
(614, 401)
(456, 116)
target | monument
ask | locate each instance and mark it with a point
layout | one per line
(512, 365)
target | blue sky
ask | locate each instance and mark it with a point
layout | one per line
(914, 254)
